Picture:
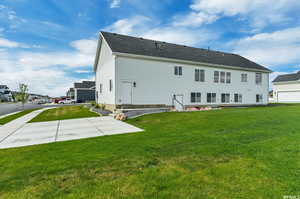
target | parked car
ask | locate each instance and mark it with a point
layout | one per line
(67, 101)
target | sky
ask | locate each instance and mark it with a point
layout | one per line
(50, 44)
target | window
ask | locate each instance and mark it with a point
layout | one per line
(110, 85)
(244, 77)
(178, 70)
(222, 80)
(225, 97)
(195, 97)
(228, 77)
(258, 78)
(216, 76)
(101, 88)
(199, 75)
(259, 98)
(211, 97)
(238, 98)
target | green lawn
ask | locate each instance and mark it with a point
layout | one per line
(15, 116)
(63, 113)
(249, 153)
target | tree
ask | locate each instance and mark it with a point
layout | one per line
(23, 94)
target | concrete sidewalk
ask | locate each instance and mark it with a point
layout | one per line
(25, 134)
(11, 127)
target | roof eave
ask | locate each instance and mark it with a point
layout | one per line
(288, 82)
(188, 62)
(98, 52)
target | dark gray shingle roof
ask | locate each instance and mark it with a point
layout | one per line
(287, 77)
(139, 46)
(85, 84)
(3, 87)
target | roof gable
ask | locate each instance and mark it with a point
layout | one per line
(145, 47)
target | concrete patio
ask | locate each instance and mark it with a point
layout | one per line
(19, 133)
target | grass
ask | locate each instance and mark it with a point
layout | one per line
(63, 113)
(245, 153)
(15, 116)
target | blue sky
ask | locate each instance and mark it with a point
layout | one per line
(49, 44)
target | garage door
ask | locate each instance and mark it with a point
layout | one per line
(289, 96)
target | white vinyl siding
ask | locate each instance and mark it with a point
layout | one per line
(156, 83)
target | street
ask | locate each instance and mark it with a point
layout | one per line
(6, 108)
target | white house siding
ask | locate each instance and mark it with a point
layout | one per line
(156, 83)
(105, 72)
(287, 92)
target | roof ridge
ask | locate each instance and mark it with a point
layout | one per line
(136, 37)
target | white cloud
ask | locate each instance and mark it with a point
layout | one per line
(46, 73)
(82, 71)
(85, 46)
(259, 13)
(8, 44)
(115, 3)
(195, 19)
(145, 27)
(83, 55)
(180, 35)
(132, 25)
(5, 43)
(271, 49)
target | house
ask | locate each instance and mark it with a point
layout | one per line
(5, 94)
(71, 93)
(84, 91)
(286, 88)
(135, 72)
(36, 98)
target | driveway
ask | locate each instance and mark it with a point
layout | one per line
(18, 133)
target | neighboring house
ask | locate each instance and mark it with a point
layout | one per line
(71, 93)
(286, 88)
(271, 96)
(5, 94)
(135, 72)
(36, 98)
(84, 91)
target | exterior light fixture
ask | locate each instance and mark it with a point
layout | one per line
(134, 84)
